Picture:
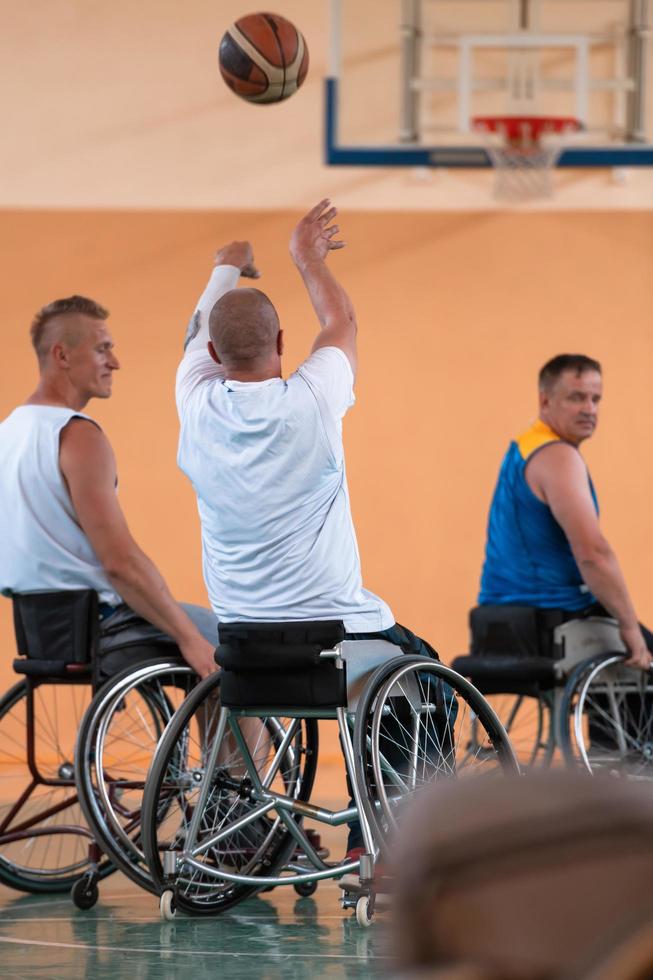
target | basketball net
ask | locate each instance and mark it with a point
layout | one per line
(524, 151)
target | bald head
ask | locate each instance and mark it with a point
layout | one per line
(244, 328)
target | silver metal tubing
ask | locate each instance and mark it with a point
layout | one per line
(336, 871)
(409, 30)
(330, 654)
(259, 811)
(302, 841)
(170, 863)
(637, 69)
(333, 818)
(205, 787)
(281, 751)
(348, 750)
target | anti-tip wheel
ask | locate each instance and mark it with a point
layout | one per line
(85, 892)
(363, 915)
(305, 888)
(167, 906)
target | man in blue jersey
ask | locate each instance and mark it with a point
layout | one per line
(545, 548)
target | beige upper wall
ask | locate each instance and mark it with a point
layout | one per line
(118, 104)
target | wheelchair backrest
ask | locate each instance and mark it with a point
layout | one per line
(579, 639)
(296, 665)
(56, 627)
(507, 630)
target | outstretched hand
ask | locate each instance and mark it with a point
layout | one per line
(241, 255)
(313, 238)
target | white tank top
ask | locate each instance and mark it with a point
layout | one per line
(42, 546)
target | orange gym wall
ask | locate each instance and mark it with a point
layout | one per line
(456, 314)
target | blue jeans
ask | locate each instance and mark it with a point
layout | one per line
(126, 639)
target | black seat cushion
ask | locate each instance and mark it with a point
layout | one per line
(278, 665)
(506, 673)
(56, 627)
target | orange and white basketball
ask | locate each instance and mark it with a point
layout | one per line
(263, 58)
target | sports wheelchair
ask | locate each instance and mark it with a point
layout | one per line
(229, 788)
(561, 687)
(64, 812)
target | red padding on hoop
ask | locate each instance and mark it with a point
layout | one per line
(516, 127)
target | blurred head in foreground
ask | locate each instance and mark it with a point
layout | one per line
(522, 878)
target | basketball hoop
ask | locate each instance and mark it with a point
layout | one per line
(524, 150)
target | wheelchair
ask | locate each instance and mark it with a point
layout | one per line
(229, 788)
(64, 813)
(562, 691)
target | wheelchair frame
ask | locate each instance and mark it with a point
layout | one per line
(371, 666)
(582, 649)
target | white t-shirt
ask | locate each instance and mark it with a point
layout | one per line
(266, 461)
(43, 548)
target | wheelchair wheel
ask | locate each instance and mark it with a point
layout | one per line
(528, 722)
(116, 743)
(44, 838)
(418, 722)
(204, 812)
(606, 718)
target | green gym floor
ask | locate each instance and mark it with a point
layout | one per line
(276, 935)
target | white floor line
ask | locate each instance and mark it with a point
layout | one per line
(300, 920)
(165, 951)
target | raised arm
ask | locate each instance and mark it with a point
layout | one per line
(558, 475)
(230, 263)
(311, 242)
(89, 469)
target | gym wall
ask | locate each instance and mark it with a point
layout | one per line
(456, 314)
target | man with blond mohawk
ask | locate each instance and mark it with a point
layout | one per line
(61, 524)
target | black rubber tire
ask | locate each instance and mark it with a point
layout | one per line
(136, 870)
(305, 888)
(85, 892)
(281, 852)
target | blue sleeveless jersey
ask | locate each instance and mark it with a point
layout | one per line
(528, 561)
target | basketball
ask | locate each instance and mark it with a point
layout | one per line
(263, 58)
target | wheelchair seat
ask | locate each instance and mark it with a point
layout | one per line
(511, 650)
(279, 665)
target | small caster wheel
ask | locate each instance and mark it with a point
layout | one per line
(168, 906)
(363, 916)
(85, 892)
(305, 888)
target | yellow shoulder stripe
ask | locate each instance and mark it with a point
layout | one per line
(534, 438)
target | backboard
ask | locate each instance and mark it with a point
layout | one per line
(431, 66)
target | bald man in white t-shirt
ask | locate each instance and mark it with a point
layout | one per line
(265, 454)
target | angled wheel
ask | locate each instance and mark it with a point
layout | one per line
(116, 743)
(200, 800)
(44, 837)
(419, 722)
(528, 723)
(606, 718)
